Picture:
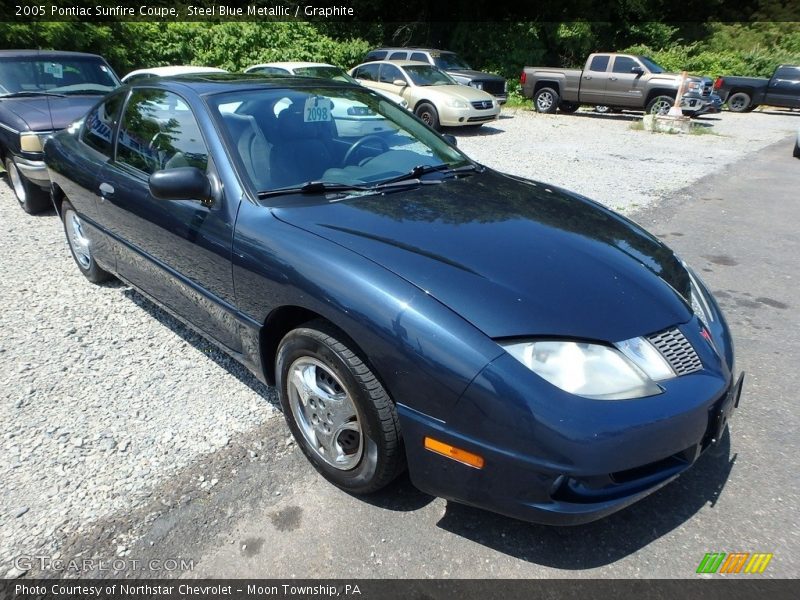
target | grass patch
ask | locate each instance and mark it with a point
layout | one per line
(700, 130)
(636, 125)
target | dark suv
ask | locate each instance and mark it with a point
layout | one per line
(41, 92)
(451, 63)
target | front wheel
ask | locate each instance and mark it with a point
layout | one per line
(659, 105)
(80, 246)
(796, 152)
(546, 101)
(739, 102)
(31, 197)
(338, 411)
(428, 113)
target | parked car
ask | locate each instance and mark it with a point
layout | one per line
(431, 93)
(743, 94)
(620, 81)
(350, 119)
(141, 74)
(519, 347)
(449, 62)
(42, 92)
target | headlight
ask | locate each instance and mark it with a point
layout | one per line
(455, 103)
(33, 142)
(594, 370)
(478, 85)
(698, 298)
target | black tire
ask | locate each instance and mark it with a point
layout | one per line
(428, 113)
(751, 108)
(86, 262)
(382, 455)
(546, 101)
(659, 105)
(568, 107)
(739, 102)
(30, 196)
(796, 152)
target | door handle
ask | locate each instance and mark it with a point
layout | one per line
(106, 189)
(587, 76)
(613, 78)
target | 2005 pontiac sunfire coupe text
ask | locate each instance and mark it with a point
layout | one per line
(520, 348)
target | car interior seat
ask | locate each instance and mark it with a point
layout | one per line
(300, 150)
(252, 146)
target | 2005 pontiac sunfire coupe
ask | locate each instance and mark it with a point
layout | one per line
(520, 348)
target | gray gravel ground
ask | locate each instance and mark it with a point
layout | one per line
(104, 398)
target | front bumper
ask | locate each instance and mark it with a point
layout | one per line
(695, 104)
(34, 171)
(454, 117)
(558, 459)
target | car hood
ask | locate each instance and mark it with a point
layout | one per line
(513, 258)
(473, 74)
(463, 92)
(44, 113)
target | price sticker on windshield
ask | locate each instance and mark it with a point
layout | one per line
(317, 109)
(55, 69)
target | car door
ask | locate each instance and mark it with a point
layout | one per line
(783, 88)
(93, 149)
(367, 74)
(624, 87)
(594, 79)
(387, 75)
(177, 251)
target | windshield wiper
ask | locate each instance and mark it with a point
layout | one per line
(87, 92)
(314, 187)
(24, 94)
(420, 170)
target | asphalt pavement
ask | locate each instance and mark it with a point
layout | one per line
(275, 517)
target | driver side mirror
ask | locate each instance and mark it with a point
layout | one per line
(450, 139)
(637, 70)
(399, 82)
(181, 183)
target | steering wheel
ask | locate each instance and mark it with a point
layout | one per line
(360, 143)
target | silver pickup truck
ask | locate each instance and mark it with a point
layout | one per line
(619, 81)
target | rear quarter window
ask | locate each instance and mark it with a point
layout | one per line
(98, 128)
(376, 55)
(599, 64)
(398, 55)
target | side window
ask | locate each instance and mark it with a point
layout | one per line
(420, 56)
(599, 64)
(791, 73)
(158, 132)
(398, 55)
(389, 73)
(367, 72)
(98, 128)
(376, 55)
(269, 71)
(624, 64)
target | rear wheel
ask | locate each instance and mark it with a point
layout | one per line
(568, 107)
(428, 113)
(659, 105)
(338, 411)
(31, 197)
(546, 101)
(80, 246)
(796, 152)
(739, 102)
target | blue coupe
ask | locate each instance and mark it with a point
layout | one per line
(516, 346)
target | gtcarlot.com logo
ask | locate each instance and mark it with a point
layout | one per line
(734, 562)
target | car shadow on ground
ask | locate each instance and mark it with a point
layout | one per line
(607, 116)
(473, 131)
(200, 343)
(775, 111)
(605, 541)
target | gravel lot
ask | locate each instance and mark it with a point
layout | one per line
(103, 397)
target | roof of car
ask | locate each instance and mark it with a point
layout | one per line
(173, 70)
(288, 65)
(399, 63)
(410, 48)
(45, 53)
(217, 83)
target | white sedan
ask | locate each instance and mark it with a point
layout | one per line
(351, 120)
(140, 74)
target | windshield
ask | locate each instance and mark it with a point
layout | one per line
(450, 61)
(334, 73)
(55, 75)
(348, 136)
(425, 75)
(650, 65)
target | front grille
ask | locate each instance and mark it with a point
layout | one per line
(496, 88)
(482, 104)
(677, 351)
(479, 119)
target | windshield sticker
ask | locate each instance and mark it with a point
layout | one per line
(55, 69)
(317, 109)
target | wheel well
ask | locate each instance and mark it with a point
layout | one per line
(280, 322)
(748, 91)
(58, 197)
(416, 106)
(660, 92)
(543, 84)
